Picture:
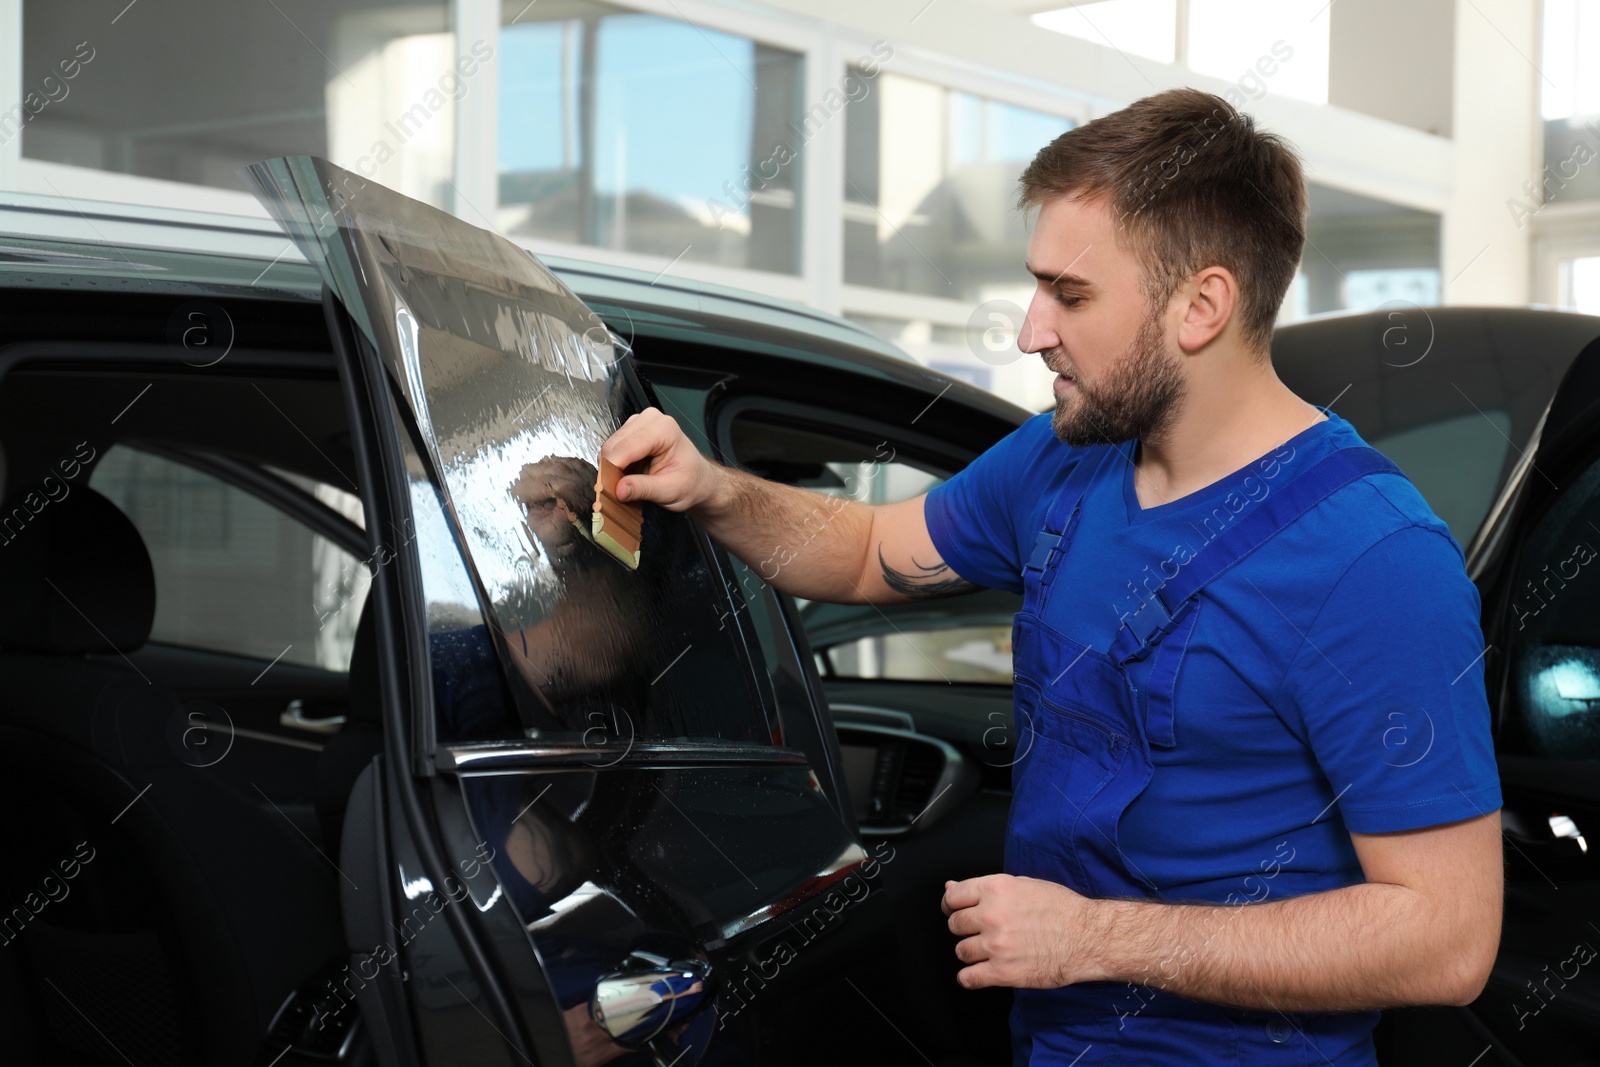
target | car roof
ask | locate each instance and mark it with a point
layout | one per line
(1403, 365)
(57, 242)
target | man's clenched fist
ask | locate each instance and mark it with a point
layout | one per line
(1026, 933)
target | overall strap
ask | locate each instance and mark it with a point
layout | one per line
(1175, 599)
(1061, 521)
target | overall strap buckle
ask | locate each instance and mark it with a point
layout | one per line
(1153, 622)
(1044, 545)
(1061, 520)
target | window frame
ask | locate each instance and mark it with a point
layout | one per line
(1562, 231)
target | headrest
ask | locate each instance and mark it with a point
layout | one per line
(75, 574)
(366, 703)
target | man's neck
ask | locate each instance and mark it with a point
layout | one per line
(1219, 428)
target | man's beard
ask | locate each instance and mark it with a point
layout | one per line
(1135, 401)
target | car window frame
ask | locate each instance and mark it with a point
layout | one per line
(266, 486)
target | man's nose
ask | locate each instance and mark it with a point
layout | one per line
(1036, 335)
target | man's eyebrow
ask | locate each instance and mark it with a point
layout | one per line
(1058, 277)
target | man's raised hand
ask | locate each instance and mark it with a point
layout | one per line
(680, 476)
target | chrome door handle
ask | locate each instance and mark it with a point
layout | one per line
(294, 717)
(1556, 831)
(646, 994)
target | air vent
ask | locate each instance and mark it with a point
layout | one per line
(920, 768)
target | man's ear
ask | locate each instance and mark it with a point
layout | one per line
(1209, 299)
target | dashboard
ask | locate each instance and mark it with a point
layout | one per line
(899, 779)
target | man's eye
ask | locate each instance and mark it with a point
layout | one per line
(1068, 301)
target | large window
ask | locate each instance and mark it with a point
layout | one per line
(1278, 46)
(930, 189)
(1363, 254)
(705, 141)
(191, 91)
(1570, 101)
(635, 132)
(1580, 284)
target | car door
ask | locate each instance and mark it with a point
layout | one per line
(1542, 625)
(919, 693)
(583, 773)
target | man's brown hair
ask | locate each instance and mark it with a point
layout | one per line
(1191, 183)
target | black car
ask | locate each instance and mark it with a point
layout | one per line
(335, 740)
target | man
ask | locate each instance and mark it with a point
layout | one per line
(1255, 798)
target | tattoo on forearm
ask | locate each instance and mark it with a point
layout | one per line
(926, 582)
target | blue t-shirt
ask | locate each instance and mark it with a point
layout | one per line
(1333, 681)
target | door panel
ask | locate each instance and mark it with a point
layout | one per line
(604, 727)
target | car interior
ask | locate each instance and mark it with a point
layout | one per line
(183, 556)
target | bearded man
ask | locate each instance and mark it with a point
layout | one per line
(1230, 602)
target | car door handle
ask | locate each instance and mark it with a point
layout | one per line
(294, 717)
(1558, 833)
(646, 994)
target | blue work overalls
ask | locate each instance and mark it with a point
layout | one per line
(1084, 737)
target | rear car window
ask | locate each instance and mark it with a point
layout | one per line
(234, 574)
(1455, 464)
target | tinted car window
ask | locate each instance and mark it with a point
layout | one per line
(1453, 463)
(603, 649)
(1555, 630)
(510, 386)
(234, 574)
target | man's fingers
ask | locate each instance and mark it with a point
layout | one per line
(962, 894)
(979, 975)
(673, 472)
(666, 490)
(645, 433)
(972, 950)
(964, 921)
(638, 487)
